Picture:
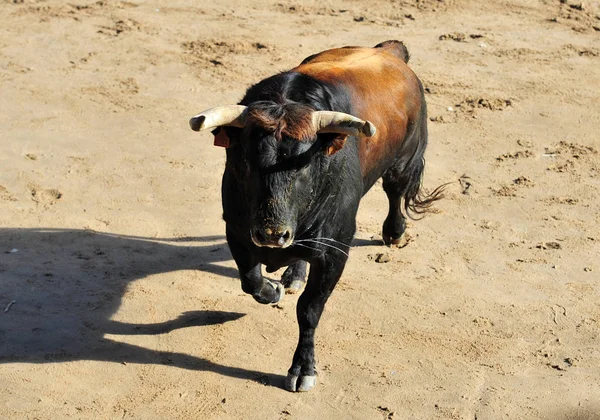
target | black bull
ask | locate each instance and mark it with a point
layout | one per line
(296, 171)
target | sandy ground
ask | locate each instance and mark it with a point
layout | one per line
(127, 302)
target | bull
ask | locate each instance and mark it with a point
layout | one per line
(303, 147)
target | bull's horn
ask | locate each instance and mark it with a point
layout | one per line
(338, 122)
(231, 115)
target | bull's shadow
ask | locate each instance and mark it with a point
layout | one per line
(68, 283)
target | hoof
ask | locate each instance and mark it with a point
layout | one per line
(399, 242)
(300, 383)
(271, 292)
(294, 287)
(280, 291)
(388, 240)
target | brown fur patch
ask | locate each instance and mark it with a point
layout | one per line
(291, 119)
(336, 145)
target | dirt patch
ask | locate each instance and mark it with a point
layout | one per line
(493, 104)
(46, 197)
(563, 200)
(381, 257)
(119, 93)
(574, 150)
(120, 27)
(523, 181)
(468, 108)
(579, 16)
(225, 59)
(459, 37)
(222, 48)
(5, 195)
(505, 191)
(567, 166)
(568, 157)
(73, 11)
(519, 154)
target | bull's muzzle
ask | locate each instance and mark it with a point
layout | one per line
(280, 237)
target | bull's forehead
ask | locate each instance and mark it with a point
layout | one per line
(270, 151)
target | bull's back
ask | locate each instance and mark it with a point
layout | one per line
(383, 90)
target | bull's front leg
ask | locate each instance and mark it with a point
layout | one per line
(322, 279)
(262, 290)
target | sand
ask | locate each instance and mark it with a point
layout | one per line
(126, 301)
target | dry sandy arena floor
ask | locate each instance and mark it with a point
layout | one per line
(126, 301)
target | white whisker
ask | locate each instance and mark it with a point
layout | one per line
(333, 240)
(324, 244)
(305, 246)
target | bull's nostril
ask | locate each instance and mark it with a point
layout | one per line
(284, 238)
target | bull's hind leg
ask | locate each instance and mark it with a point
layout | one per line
(394, 185)
(294, 277)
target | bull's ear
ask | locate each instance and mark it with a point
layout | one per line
(334, 144)
(221, 138)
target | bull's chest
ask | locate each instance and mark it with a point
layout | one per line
(274, 259)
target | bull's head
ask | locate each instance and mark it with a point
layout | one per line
(277, 152)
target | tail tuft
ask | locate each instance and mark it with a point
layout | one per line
(418, 203)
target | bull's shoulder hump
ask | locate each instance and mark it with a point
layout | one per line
(395, 47)
(341, 62)
(336, 54)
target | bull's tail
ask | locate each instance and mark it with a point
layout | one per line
(397, 48)
(416, 200)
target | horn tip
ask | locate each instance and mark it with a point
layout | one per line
(197, 122)
(369, 129)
